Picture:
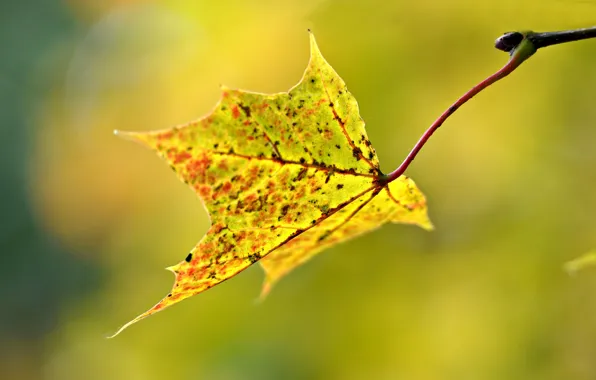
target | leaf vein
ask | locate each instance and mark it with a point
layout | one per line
(342, 125)
(356, 211)
(262, 128)
(332, 169)
(392, 197)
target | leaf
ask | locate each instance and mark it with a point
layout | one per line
(580, 263)
(282, 177)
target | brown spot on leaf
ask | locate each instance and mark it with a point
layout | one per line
(250, 185)
(284, 210)
(254, 258)
(301, 174)
(245, 108)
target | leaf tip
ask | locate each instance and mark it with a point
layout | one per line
(427, 225)
(314, 48)
(125, 326)
(571, 268)
(133, 136)
(164, 303)
(116, 333)
(173, 269)
(580, 263)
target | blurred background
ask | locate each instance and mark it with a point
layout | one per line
(89, 221)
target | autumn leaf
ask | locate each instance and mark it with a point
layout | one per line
(283, 177)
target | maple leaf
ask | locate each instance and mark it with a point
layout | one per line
(282, 176)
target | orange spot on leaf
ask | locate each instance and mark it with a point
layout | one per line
(235, 112)
(181, 157)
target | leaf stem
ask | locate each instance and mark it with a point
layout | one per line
(552, 38)
(521, 46)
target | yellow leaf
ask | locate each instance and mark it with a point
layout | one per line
(282, 177)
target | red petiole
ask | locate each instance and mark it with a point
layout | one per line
(521, 47)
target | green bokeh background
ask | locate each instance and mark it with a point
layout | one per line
(88, 220)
